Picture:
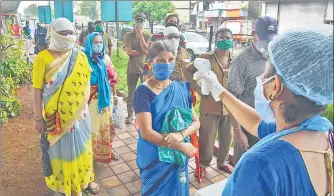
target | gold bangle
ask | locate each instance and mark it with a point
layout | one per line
(182, 134)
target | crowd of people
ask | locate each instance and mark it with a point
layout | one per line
(271, 95)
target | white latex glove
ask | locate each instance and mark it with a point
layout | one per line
(212, 83)
(201, 83)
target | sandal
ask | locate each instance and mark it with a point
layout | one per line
(202, 172)
(227, 168)
(129, 120)
(93, 188)
(115, 155)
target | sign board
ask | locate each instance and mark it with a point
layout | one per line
(211, 14)
(44, 14)
(108, 11)
(64, 8)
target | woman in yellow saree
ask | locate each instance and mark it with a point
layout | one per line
(61, 84)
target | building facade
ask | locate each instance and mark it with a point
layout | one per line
(299, 14)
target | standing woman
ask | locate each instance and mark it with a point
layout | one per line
(103, 83)
(153, 101)
(61, 76)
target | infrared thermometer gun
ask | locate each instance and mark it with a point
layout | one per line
(203, 66)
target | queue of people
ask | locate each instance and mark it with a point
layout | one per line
(271, 96)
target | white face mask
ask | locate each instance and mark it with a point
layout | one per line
(262, 47)
(262, 105)
(141, 25)
(174, 43)
(61, 43)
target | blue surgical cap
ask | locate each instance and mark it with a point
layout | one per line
(303, 58)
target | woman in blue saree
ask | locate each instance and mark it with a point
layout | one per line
(295, 154)
(152, 100)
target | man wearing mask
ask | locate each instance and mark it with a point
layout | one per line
(248, 65)
(171, 20)
(136, 45)
(107, 39)
(40, 37)
(173, 36)
(84, 33)
(213, 115)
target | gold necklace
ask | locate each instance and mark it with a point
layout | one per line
(158, 87)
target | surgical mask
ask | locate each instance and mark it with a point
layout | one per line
(97, 48)
(262, 105)
(163, 71)
(99, 29)
(174, 44)
(262, 47)
(225, 44)
(42, 25)
(141, 25)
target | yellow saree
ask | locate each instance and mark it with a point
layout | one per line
(71, 150)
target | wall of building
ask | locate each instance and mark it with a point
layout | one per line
(329, 12)
(182, 9)
(296, 14)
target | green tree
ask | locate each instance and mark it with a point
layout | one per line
(155, 11)
(31, 10)
(89, 9)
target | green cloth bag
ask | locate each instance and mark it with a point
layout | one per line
(176, 120)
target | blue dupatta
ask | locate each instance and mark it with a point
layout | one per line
(161, 178)
(99, 75)
(316, 123)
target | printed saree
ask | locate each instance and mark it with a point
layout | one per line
(103, 130)
(161, 178)
(71, 150)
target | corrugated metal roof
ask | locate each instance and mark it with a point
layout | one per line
(9, 6)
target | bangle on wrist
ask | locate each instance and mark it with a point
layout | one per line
(182, 134)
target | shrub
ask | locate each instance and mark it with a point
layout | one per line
(14, 71)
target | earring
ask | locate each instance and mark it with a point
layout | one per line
(271, 97)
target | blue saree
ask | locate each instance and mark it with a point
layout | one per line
(161, 178)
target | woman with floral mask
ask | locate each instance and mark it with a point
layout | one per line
(153, 101)
(103, 86)
(213, 115)
(295, 153)
(61, 76)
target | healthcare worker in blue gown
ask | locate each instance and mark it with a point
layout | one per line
(294, 156)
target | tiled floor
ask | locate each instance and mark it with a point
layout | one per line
(121, 178)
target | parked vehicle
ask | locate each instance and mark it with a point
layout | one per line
(196, 44)
(241, 29)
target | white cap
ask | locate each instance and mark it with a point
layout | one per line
(171, 30)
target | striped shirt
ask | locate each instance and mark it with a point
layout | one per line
(245, 67)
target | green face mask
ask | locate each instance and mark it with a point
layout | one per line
(99, 29)
(224, 44)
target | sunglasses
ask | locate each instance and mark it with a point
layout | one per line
(173, 37)
(65, 32)
(139, 20)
